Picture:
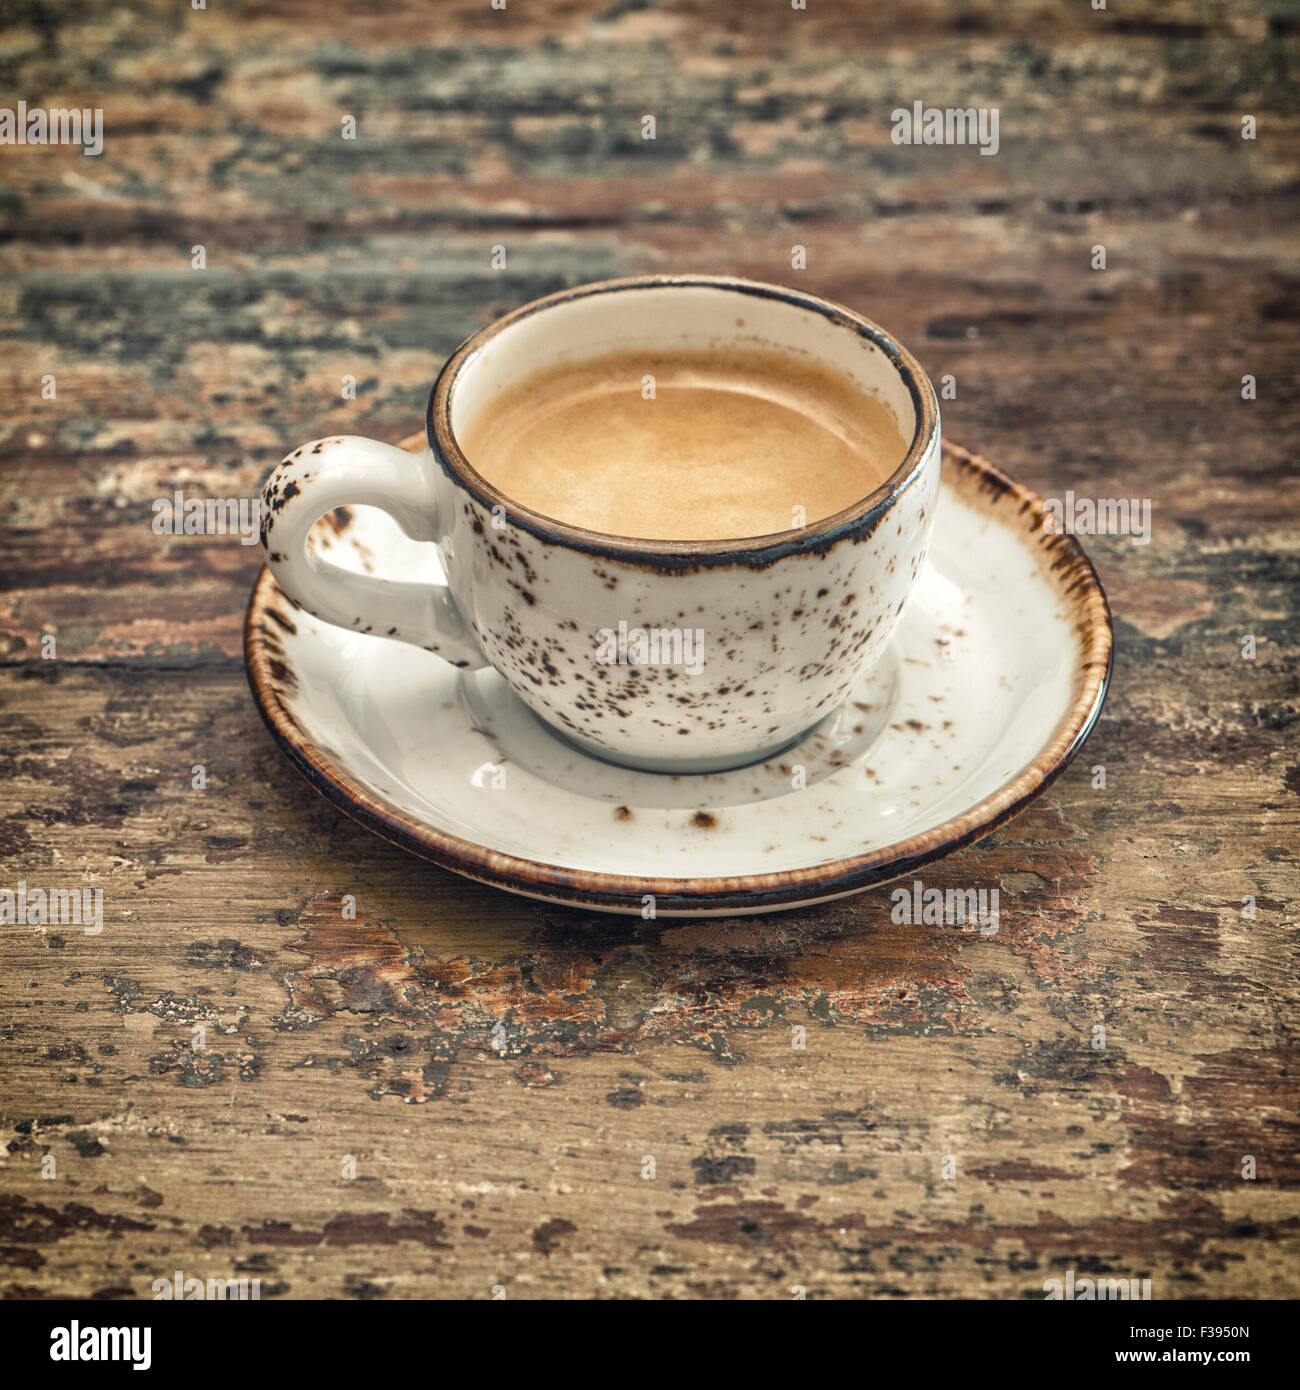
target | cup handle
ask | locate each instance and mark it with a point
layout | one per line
(349, 471)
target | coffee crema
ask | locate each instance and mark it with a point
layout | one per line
(686, 446)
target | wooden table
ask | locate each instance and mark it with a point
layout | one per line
(952, 1127)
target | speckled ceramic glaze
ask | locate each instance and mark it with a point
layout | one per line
(994, 677)
(788, 623)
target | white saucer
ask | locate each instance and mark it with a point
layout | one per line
(995, 677)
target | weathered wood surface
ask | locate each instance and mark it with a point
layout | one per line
(774, 1167)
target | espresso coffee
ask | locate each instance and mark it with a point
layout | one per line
(686, 445)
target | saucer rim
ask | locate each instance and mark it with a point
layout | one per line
(1068, 566)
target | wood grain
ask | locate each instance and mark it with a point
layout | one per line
(514, 1156)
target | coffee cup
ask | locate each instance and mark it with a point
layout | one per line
(669, 654)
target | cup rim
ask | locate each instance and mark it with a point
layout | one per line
(752, 550)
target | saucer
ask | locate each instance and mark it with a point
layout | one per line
(995, 677)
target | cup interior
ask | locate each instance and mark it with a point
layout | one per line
(664, 313)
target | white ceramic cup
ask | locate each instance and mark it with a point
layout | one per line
(788, 621)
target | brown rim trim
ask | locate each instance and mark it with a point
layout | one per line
(1080, 591)
(755, 551)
